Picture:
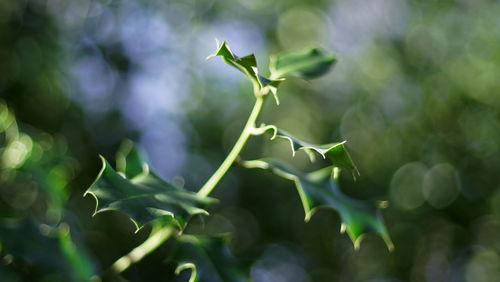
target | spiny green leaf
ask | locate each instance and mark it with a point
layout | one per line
(335, 152)
(318, 189)
(209, 259)
(247, 65)
(305, 64)
(144, 196)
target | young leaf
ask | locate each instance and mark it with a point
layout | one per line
(209, 259)
(319, 190)
(247, 65)
(143, 196)
(305, 64)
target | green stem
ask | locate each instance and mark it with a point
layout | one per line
(160, 234)
(336, 173)
(231, 157)
(156, 238)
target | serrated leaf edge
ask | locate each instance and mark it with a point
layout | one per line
(305, 146)
(309, 212)
(138, 227)
(262, 85)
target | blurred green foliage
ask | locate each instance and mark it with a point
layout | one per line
(415, 92)
(34, 176)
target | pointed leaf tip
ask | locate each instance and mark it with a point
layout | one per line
(247, 65)
(306, 64)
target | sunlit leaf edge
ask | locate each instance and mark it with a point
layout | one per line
(138, 226)
(248, 65)
(323, 150)
(310, 211)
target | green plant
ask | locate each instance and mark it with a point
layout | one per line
(135, 190)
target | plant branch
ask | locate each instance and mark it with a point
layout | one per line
(235, 151)
(158, 235)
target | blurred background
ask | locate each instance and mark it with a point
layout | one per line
(415, 92)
